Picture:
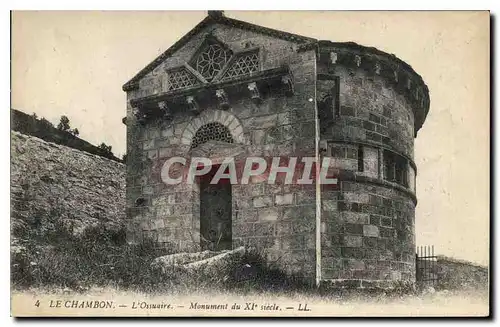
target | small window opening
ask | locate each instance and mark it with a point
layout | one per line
(141, 202)
(361, 162)
(395, 168)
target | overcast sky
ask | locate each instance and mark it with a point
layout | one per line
(75, 63)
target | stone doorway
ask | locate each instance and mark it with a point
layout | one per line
(215, 213)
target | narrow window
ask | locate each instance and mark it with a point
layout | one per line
(401, 171)
(351, 152)
(389, 166)
(337, 151)
(361, 159)
(336, 97)
(331, 102)
(395, 168)
(325, 112)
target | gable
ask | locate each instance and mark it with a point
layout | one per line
(229, 32)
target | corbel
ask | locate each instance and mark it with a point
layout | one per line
(222, 98)
(288, 84)
(165, 111)
(254, 92)
(408, 83)
(192, 104)
(377, 68)
(139, 115)
(357, 60)
(333, 57)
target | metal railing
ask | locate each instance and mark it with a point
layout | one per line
(426, 266)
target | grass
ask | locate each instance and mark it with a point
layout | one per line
(48, 253)
(97, 257)
(99, 264)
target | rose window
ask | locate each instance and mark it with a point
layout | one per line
(211, 61)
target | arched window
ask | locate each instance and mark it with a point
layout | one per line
(211, 131)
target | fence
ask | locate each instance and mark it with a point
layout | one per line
(426, 266)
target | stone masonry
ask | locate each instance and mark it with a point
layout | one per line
(52, 182)
(273, 93)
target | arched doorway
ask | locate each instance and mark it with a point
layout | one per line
(215, 199)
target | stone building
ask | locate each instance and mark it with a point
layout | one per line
(229, 86)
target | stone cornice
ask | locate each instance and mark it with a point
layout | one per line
(255, 77)
(348, 176)
(396, 72)
(196, 99)
(134, 82)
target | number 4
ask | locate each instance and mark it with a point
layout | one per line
(37, 303)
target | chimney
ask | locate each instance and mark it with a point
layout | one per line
(216, 14)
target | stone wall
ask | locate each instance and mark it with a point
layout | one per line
(456, 274)
(367, 235)
(51, 182)
(369, 112)
(276, 219)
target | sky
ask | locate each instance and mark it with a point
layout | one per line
(75, 63)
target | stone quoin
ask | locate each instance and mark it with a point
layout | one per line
(229, 88)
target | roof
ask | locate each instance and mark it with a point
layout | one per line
(398, 64)
(217, 17)
(214, 18)
(373, 50)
